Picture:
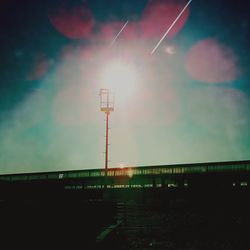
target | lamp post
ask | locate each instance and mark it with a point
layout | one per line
(106, 106)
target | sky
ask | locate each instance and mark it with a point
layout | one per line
(187, 102)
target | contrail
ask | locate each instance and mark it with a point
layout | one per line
(171, 26)
(118, 33)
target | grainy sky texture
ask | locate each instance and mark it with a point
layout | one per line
(190, 101)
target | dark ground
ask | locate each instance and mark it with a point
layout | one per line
(195, 222)
(185, 226)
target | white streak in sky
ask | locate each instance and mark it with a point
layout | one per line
(118, 33)
(171, 26)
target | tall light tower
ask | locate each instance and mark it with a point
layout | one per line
(107, 106)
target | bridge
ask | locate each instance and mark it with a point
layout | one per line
(196, 176)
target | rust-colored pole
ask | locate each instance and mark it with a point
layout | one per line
(107, 141)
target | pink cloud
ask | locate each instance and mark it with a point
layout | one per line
(212, 62)
(72, 22)
(40, 66)
(159, 15)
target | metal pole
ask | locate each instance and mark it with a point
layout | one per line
(107, 140)
(107, 106)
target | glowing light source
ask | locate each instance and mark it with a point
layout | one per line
(120, 78)
(122, 165)
(130, 173)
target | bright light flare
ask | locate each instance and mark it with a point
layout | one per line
(120, 78)
(122, 165)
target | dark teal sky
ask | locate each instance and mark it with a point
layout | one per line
(191, 101)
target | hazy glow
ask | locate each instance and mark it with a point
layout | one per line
(121, 78)
(163, 113)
